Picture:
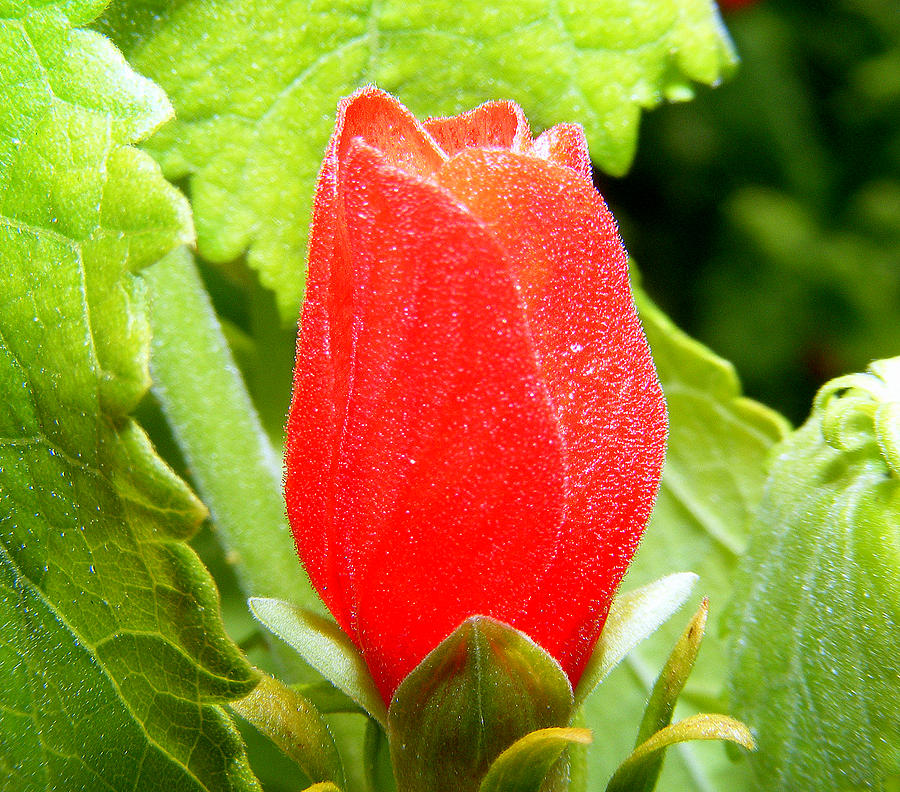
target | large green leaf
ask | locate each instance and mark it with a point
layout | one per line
(255, 86)
(816, 665)
(113, 658)
(714, 475)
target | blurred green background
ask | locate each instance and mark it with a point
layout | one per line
(765, 214)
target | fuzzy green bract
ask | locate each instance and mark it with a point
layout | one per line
(113, 659)
(480, 691)
(719, 442)
(255, 85)
(816, 658)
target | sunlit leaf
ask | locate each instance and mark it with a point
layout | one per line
(113, 658)
(255, 85)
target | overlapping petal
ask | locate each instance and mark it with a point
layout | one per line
(325, 343)
(476, 425)
(571, 268)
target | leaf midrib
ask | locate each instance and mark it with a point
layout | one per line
(6, 558)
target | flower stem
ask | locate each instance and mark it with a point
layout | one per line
(231, 460)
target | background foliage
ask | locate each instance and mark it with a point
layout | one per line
(766, 213)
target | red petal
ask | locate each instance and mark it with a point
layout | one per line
(503, 125)
(385, 124)
(565, 144)
(491, 125)
(321, 382)
(320, 396)
(450, 455)
(571, 267)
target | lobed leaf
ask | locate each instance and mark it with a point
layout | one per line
(816, 658)
(113, 658)
(255, 85)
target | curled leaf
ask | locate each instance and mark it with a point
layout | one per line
(524, 766)
(821, 574)
(633, 616)
(638, 773)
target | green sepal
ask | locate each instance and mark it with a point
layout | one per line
(525, 764)
(325, 647)
(577, 756)
(377, 760)
(295, 726)
(674, 675)
(484, 687)
(326, 698)
(671, 681)
(633, 617)
(633, 776)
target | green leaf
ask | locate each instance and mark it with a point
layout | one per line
(113, 659)
(325, 647)
(633, 772)
(673, 677)
(661, 706)
(577, 757)
(524, 765)
(327, 698)
(633, 616)
(255, 86)
(216, 425)
(295, 726)
(482, 688)
(715, 470)
(377, 760)
(821, 578)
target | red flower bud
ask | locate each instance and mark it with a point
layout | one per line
(476, 425)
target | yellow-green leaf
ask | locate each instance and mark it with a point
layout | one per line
(255, 85)
(114, 662)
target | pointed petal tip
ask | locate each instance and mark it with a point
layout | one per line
(386, 125)
(494, 124)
